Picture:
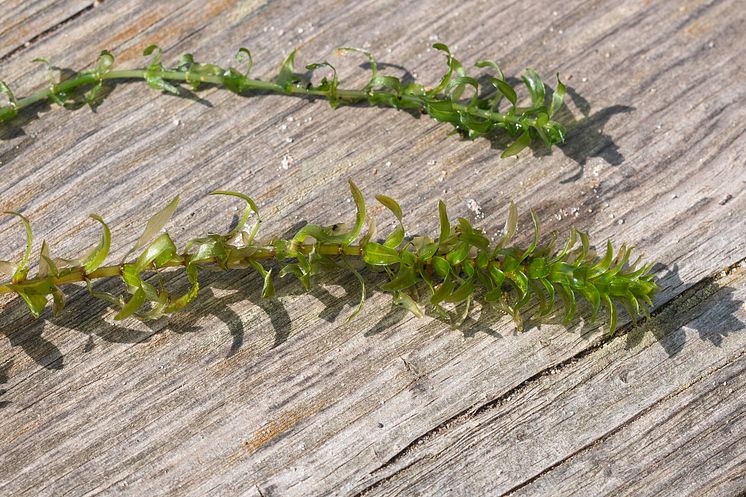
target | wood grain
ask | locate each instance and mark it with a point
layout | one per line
(25, 23)
(282, 397)
(605, 424)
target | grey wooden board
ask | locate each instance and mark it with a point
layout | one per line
(635, 417)
(283, 397)
(23, 23)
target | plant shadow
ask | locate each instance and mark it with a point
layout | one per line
(219, 293)
(684, 311)
(585, 138)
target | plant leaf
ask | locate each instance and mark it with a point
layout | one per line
(376, 254)
(58, 300)
(441, 266)
(7, 112)
(158, 253)
(350, 236)
(105, 62)
(250, 208)
(458, 254)
(132, 305)
(153, 73)
(287, 77)
(371, 61)
(396, 237)
(445, 226)
(404, 300)
(35, 303)
(557, 97)
(155, 224)
(404, 279)
(242, 55)
(515, 148)
(98, 255)
(22, 267)
(268, 290)
(507, 90)
(535, 87)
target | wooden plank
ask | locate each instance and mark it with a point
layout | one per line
(238, 394)
(23, 23)
(78, 45)
(625, 419)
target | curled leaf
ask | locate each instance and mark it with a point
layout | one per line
(535, 240)
(396, 237)
(535, 87)
(250, 208)
(329, 86)
(22, 268)
(35, 302)
(154, 71)
(132, 305)
(8, 111)
(557, 97)
(181, 302)
(350, 236)
(445, 226)
(405, 301)
(46, 264)
(506, 90)
(454, 66)
(371, 62)
(242, 55)
(158, 253)
(105, 62)
(268, 290)
(99, 253)
(287, 76)
(58, 300)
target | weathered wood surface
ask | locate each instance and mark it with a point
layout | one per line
(283, 397)
(632, 417)
(24, 23)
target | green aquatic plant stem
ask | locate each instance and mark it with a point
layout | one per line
(474, 108)
(132, 74)
(345, 96)
(459, 266)
(240, 260)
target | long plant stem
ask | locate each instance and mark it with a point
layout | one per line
(242, 260)
(346, 96)
(482, 113)
(458, 266)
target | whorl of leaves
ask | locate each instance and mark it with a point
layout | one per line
(483, 112)
(453, 269)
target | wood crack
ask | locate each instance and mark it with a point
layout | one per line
(34, 39)
(619, 427)
(696, 293)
